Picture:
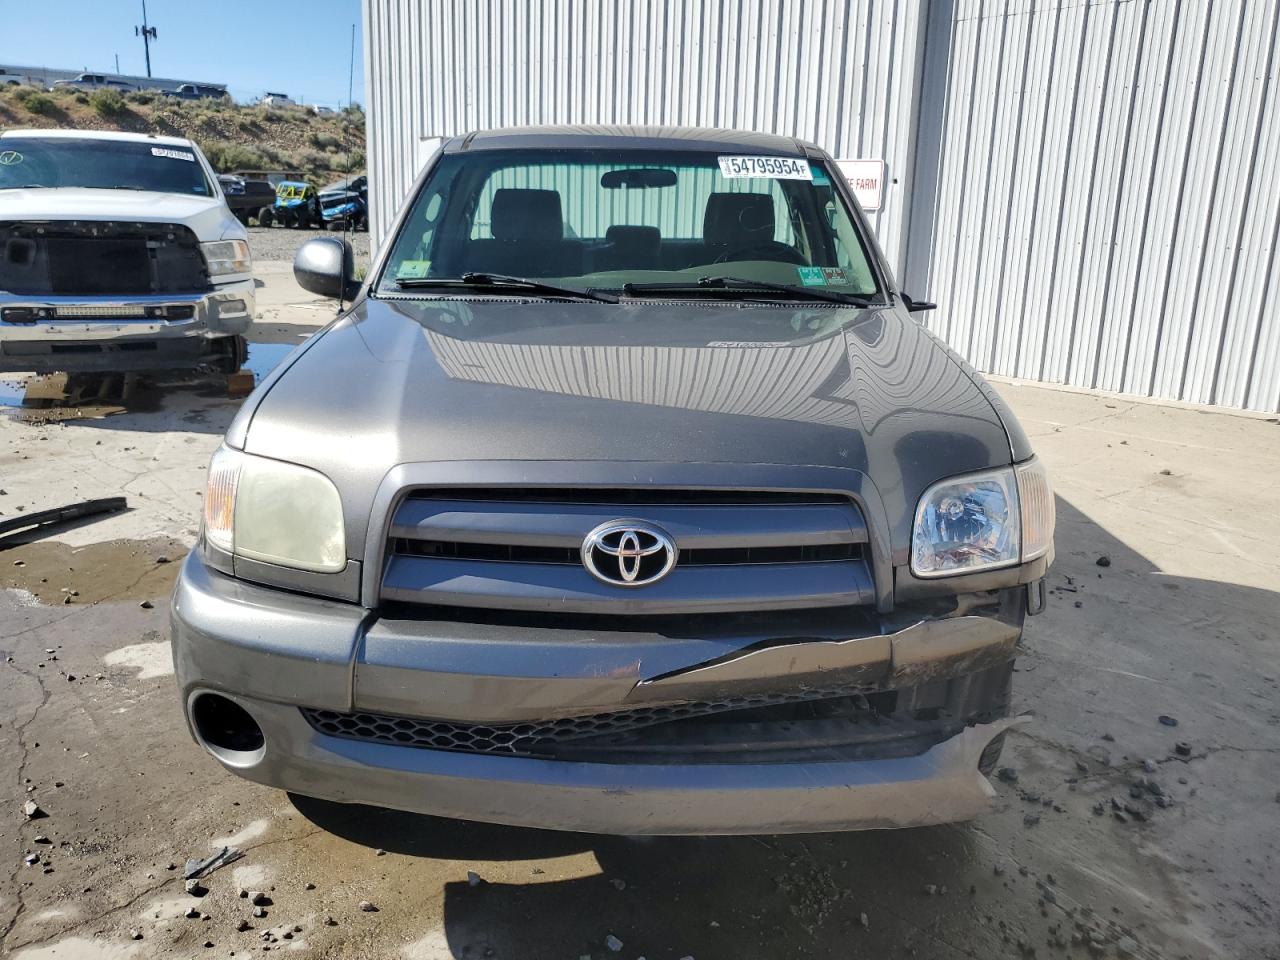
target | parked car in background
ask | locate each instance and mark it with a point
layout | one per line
(93, 81)
(197, 91)
(277, 100)
(19, 79)
(273, 177)
(346, 203)
(628, 497)
(297, 204)
(119, 253)
(247, 198)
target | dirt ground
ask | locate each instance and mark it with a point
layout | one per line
(1114, 834)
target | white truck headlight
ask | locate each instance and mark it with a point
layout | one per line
(275, 512)
(227, 258)
(983, 521)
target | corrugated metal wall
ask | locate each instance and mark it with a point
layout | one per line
(1108, 196)
(843, 74)
(1090, 189)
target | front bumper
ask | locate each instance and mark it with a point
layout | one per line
(273, 653)
(124, 341)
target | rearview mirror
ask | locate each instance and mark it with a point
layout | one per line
(638, 178)
(326, 266)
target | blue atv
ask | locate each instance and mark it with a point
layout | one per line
(297, 205)
(346, 204)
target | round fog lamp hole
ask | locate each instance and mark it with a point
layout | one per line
(224, 725)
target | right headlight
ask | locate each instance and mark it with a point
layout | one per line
(983, 521)
(274, 512)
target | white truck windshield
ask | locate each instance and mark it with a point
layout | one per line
(30, 162)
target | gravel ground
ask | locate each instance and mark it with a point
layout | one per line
(280, 243)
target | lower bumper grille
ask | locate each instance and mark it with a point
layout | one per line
(537, 738)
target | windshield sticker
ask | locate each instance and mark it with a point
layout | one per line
(812, 276)
(10, 158)
(820, 177)
(775, 168)
(173, 154)
(835, 275)
(412, 269)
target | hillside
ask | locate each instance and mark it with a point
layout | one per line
(232, 137)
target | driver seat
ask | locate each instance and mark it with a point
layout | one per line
(736, 222)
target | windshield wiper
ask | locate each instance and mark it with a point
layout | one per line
(474, 280)
(741, 283)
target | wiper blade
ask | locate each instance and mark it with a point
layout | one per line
(474, 280)
(741, 283)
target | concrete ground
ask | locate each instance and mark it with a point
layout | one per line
(1180, 620)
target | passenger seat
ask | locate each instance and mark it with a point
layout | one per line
(528, 238)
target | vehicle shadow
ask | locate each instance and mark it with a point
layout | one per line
(706, 897)
(1118, 645)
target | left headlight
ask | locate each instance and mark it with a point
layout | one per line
(983, 521)
(227, 258)
(275, 512)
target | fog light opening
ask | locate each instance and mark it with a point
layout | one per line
(227, 729)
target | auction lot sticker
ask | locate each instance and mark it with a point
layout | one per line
(173, 154)
(775, 168)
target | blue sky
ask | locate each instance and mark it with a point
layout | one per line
(301, 49)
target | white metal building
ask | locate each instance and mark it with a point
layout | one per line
(1090, 189)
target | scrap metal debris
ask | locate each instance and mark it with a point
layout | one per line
(198, 869)
(50, 518)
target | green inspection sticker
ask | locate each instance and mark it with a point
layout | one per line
(412, 269)
(812, 276)
(819, 176)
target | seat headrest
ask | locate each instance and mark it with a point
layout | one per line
(639, 240)
(738, 218)
(526, 215)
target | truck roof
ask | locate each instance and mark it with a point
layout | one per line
(97, 135)
(629, 138)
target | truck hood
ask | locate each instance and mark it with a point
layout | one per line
(493, 379)
(206, 216)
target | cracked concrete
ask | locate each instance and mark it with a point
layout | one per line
(1182, 623)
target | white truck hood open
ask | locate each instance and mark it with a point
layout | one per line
(208, 217)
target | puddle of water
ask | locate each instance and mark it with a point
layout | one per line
(265, 357)
(116, 570)
(67, 396)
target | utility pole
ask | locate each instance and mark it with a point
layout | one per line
(147, 34)
(117, 64)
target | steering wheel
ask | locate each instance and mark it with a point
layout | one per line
(772, 250)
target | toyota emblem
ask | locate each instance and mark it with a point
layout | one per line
(628, 553)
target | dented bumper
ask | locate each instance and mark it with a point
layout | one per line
(276, 654)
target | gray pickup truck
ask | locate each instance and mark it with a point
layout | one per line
(627, 497)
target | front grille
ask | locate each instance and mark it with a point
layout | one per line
(100, 258)
(520, 549)
(544, 738)
(523, 553)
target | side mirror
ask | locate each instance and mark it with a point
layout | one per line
(326, 266)
(913, 306)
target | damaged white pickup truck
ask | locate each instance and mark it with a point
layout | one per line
(117, 252)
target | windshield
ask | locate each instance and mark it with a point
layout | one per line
(100, 164)
(603, 219)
